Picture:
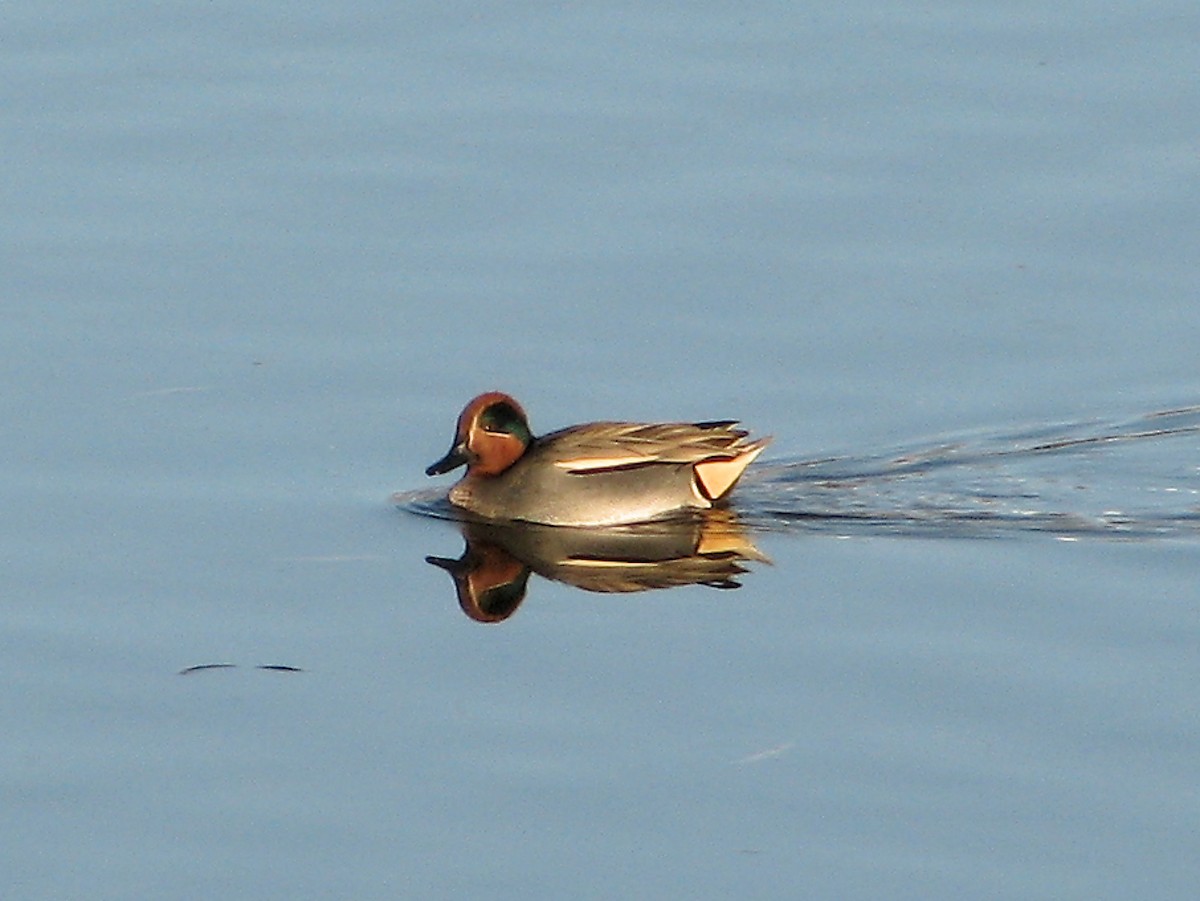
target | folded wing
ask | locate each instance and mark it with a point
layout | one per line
(720, 447)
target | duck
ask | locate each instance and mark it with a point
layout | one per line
(593, 474)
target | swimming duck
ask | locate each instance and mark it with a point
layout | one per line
(595, 474)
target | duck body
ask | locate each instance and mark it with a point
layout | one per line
(596, 474)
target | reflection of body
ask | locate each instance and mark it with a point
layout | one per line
(491, 575)
(596, 474)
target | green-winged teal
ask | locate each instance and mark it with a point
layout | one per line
(595, 474)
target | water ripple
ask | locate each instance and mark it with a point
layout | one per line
(1135, 478)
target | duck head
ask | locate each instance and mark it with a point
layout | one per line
(493, 434)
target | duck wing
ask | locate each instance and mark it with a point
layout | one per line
(619, 445)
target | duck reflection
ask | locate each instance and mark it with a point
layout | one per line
(492, 574)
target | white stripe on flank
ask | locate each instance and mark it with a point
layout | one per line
(586, 463)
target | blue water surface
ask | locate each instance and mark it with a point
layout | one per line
(256, 258)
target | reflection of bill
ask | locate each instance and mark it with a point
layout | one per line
(491, 575)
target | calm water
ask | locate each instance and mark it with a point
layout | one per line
(255, 260)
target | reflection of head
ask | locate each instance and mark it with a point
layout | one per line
(490, 583)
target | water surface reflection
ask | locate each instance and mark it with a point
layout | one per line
(492, 574)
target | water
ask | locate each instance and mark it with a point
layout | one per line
(254, 262)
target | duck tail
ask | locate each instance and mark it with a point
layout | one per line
(716, 476)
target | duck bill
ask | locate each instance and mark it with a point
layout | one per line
(456, 457)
